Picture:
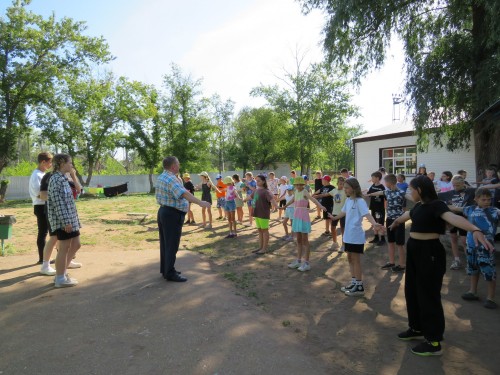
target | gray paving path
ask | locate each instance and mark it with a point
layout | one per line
(124, 318)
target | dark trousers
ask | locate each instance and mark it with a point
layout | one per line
(425, 268)
(43, 228)
(170, 223)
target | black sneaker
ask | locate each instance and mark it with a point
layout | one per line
(380, 243)
(347, 287)
(356, 291)
(410, 334)
(387, 266)
(398, 269)
(427, 349)
(375, 240)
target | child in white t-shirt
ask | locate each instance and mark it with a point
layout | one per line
(354, 210)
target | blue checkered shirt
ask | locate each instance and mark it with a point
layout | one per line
(169, 191)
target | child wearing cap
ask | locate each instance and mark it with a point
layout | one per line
(323, 196)
(188, 185)
(220, 194)
(301, 224)
(288, 213)
(282, 188)
(250, 187)
(230, 205)
(339, 198)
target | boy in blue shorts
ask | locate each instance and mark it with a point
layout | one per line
(479, 259)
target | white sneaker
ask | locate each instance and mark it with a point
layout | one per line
(294, 264)
(74, 264)
(304, 267)
(67, 282)
(356, 291)
(456, 265)
(49, 271)
(334, 247)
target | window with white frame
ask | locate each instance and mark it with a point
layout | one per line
(400, 160)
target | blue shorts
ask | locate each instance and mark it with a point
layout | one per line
(230, 206)
(221, 202)
(481, 260)
(289, 212)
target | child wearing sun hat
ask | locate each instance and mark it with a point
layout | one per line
(301, 224)
(230, 205)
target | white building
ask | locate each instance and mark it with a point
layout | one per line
(394, 147)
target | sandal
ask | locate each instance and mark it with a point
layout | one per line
(256, 251)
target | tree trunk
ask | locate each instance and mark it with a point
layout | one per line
(151, 185)
(487, 145)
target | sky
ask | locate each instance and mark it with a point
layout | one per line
(232, 45)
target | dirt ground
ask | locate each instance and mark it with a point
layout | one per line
(238, 314)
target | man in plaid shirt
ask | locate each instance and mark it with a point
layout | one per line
(174, 200)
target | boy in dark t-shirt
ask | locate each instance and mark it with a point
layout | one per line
(324, 197)
(377, 207)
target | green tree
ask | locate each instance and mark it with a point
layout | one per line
(83, 118)
(221, 116)
(316, 103)
(144, 129)
(187, 124)
(259, 138)
(452, 53)
(34, 53)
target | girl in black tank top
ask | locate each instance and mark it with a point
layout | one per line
(426, 265)
(206, 195)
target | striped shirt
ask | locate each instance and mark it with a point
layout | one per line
(61, 206)
(169, 191)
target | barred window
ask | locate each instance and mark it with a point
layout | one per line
(400, 160)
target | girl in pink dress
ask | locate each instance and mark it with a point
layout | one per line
(301, 224)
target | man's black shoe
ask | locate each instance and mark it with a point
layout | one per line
(176, 278)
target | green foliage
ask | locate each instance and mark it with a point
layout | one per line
(34, 54)
(452, 56)
(259, 138)
(187, 125)
(316, 103)
(24, 168)
(83, 118)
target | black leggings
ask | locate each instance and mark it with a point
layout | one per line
(425, 268)
(43, 228)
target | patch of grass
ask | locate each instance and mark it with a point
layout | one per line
(286, 323)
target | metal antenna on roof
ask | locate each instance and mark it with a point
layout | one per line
(397, 99)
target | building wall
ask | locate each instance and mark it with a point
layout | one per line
(437, 160)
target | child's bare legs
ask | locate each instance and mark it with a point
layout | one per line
(73, 248)
(250, 215)
(356, 266)
(402, 255)
(285, 225)
(190, 214)
(305, 246)
(265, 239)
(299, 246)
(454, 245)
(392, 250)
(49, 248)
(220, 212)
(239, 210)
(351, 265)
(261, 239)
(204, 216)
(333, 230)
(328, 224)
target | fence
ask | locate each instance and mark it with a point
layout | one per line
(18, 186)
